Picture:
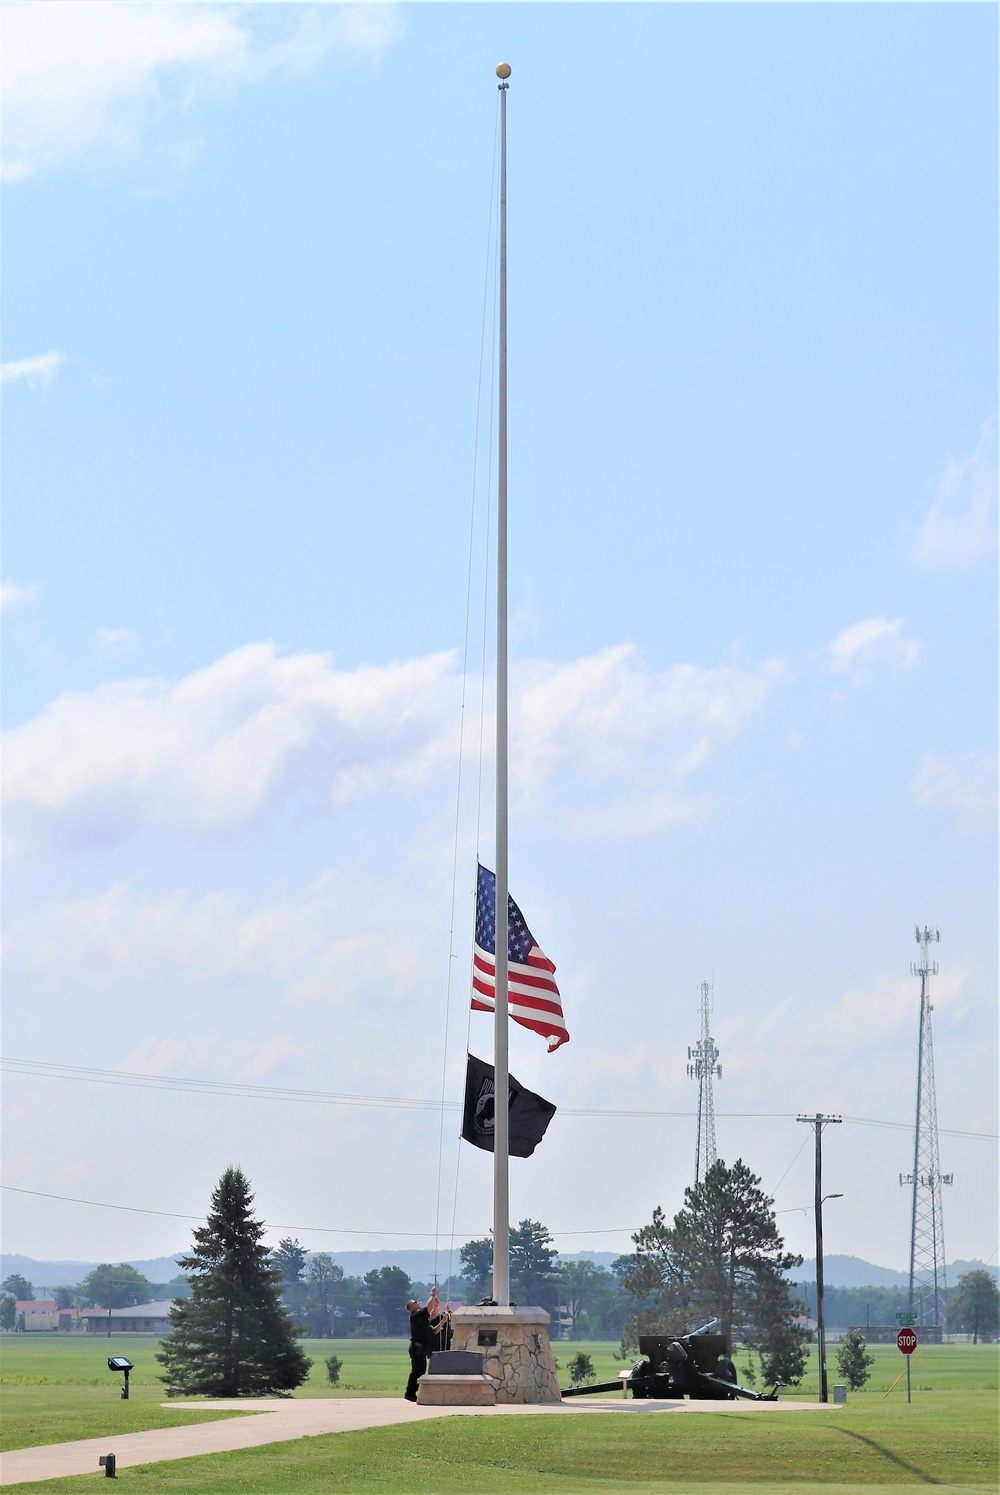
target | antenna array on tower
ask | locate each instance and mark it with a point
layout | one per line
(928, 1283)
(704, 1068)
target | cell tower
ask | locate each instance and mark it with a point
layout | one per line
(928, 1283)
(704, 1068)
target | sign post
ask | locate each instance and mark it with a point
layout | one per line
(906, 1341)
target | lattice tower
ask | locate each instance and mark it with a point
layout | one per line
(928, 1282)
(705, 1068)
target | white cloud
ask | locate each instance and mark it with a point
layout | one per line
(219, 747)
(858, 650)
(965, 783)
(12, 596)
(602, 716)
(210, 752)
(84, 74)
(959, 527)
(606, 725)
(336, 942)
(35, 371)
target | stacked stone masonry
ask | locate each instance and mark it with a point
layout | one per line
(520, 1363)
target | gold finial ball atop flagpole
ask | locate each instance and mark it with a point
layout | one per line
(503, 69)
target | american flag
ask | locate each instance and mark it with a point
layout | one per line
(533, 997)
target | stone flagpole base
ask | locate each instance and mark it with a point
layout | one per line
(515, 1345)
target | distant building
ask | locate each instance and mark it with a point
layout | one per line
(42, 1315)
(143, 1318)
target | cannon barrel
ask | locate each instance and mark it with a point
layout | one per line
(646, 1384)
(734, 1390)
(593, 1390)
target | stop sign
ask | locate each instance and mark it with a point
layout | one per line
(907, 1341)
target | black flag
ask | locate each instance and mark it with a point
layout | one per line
(528, 1114)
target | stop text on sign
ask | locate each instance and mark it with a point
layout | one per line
(907, 1341)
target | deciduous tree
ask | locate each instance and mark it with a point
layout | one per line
(591, 1296)
(853, 1359)
(477, 1267)
(323, 1287)
(974, 1307)
(19, 1287)
(387, 1290)
(233, 1336)
(115, 1287)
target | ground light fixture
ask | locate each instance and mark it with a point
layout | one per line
(119, 1362)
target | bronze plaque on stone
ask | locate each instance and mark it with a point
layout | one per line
(486, 1337)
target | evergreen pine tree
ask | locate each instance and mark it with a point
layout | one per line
(722, 1258)
(233, 1336)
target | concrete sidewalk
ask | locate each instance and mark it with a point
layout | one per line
(279, 1421)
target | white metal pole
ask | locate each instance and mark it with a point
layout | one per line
(501, 1191)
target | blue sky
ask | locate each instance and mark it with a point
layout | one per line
(753, 594)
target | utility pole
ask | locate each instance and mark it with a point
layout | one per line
(704, 1068)
(819, 1122)
(928, 1280)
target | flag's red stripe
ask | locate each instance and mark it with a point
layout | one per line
(517, 988)
(555, 1034)
(533, 998)
(515, 998)
(517, 1004)
(536, 958)
(517, 973)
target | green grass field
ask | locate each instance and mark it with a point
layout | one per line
(58, 1389)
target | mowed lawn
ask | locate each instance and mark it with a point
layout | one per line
(56, 1390)
(950, 1442)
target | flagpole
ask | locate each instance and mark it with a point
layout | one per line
(501, 1192)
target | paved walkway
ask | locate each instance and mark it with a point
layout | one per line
(278, 1421)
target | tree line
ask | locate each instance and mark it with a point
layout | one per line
(105, 1286)
(721, 1258)
(971, 1304)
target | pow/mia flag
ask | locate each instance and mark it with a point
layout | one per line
(528, 1114)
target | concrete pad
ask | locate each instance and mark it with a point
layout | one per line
(279, 1420)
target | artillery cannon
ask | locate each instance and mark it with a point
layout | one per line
(673, 1366)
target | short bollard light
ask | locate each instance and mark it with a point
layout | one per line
(107, 1463)
(119, 1362)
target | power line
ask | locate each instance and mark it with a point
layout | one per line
(248, 1091)
(135, 1209)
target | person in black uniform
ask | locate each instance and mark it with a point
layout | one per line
(429, 1330)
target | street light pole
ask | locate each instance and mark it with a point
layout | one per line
(819, 1121)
